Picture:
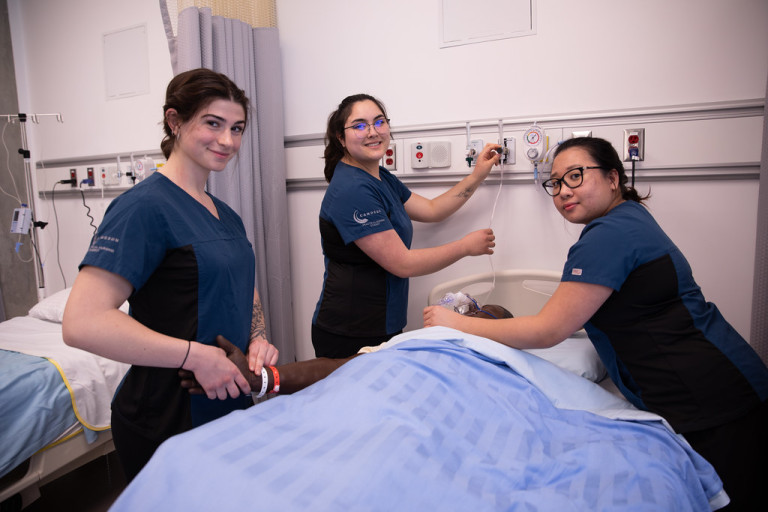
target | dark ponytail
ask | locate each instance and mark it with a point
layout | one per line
(334, 133)
(605, 155)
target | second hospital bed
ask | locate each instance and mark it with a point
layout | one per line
(55, 402)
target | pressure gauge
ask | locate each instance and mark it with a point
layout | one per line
(535, 143)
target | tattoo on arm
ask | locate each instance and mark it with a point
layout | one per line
(466, 193)
(258, 328)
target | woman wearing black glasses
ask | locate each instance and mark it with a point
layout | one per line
(666, 348)
(365, 225)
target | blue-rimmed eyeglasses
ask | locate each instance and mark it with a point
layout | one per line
(380, 125)
(573, 178)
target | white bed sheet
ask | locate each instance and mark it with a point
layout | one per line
(91, 380)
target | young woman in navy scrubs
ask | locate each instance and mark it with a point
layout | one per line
(666, 348)
(366, 231)
(182, 260)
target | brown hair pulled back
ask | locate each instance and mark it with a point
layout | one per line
(191, 91)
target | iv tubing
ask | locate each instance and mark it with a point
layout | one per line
(490, 222)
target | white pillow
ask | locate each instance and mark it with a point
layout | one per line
(52, 308)
(575, 354)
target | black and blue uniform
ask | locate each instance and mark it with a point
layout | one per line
(360, 299)
(666, 348)
(670, 351)
(193, 278)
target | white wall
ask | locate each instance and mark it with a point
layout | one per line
(593, 56)
(60, 69)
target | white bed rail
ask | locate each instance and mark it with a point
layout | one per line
(521, 291)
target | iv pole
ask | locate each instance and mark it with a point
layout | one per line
(24, 152)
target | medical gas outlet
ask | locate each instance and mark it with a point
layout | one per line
(508, 151)
(474, 149)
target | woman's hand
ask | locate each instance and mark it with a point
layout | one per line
(480, 242)
(217, 375)
(234, 354)
(488, 157)
(438, 315)
(261, 353)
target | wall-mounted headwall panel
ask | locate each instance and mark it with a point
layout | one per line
(683, 142)
(701, 165)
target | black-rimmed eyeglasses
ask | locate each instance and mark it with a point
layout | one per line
(573, 178)
(380, 126)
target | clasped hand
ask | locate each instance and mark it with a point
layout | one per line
(244, 382)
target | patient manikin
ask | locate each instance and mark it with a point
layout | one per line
(292, 377)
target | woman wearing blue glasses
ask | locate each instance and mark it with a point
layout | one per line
(666, 348)
(366, 231)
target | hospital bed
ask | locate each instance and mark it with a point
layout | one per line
(437, 420)
(55, 403)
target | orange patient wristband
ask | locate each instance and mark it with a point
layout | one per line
(276, 375)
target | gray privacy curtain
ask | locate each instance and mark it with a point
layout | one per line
(254, 182)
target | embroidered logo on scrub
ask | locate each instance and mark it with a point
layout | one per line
(576, 272)
(104, 243)
(362, 218)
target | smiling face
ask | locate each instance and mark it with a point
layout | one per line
(365, 151)
(596, 196)
(212, 137)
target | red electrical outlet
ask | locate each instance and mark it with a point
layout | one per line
(634, 144)
(388, 161)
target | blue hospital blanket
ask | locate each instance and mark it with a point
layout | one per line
(428, 424)
(35, 404)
